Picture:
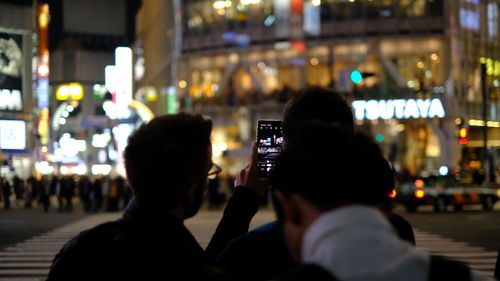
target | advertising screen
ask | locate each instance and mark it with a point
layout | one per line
(12, 134)
(11, 63)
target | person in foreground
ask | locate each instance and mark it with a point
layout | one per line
(168, 161)
(261, 254)
(329, 201)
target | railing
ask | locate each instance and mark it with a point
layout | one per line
(212, 38)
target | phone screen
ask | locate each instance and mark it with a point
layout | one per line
(269, 145)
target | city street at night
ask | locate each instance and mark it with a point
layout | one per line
(371, 125)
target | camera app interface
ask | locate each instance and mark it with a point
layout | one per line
(269, 146)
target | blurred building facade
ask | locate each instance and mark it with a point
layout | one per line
(17, 126)
(241, 60)
(83, 37)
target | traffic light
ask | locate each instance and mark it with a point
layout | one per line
(357, 77)
(462, 135)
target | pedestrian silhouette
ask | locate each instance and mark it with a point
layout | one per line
(338, 223)
(265, 246)
(168, 161)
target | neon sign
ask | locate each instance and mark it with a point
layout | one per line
(11, 100)
(398, 108)
(67, 91)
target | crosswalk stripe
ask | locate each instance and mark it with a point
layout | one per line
(25, 264)
(31, 259)
(24, 272)
(32, 254)
(12, 259)
(451, 249)
(478, 258)
(20, 279)
(473, 255)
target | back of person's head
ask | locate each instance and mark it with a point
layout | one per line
(330, 167)
(166, 156)
(316, 104)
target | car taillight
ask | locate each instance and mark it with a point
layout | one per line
(419, 193)
(393, 194)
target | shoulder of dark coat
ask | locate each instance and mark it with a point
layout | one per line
(96, 236)
(308, 272)
(442, 268)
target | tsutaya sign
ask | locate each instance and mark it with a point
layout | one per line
(11, 100)
(398, 108)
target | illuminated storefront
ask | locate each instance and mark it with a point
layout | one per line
(417, 66)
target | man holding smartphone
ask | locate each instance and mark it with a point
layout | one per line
(265, 246)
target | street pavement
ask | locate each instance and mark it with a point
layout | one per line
(20, 224)
(471, 225)
(30, 260)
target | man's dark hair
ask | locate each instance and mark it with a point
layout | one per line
(330, 167)
(316, 104)
(166, 156)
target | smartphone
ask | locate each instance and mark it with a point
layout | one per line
(269, 146)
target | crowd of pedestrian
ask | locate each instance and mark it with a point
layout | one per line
(94, 194)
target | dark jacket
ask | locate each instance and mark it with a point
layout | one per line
(259, 255)
(148, 245)
(262, 254)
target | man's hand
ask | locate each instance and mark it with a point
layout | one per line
(249, 178)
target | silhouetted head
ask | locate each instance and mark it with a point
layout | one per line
(167, 161)
(316, 104)
(340, 168)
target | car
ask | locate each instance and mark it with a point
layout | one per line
(443, 191)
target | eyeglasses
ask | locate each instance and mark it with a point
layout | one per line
(214, 170)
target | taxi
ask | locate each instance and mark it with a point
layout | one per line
(443, 191)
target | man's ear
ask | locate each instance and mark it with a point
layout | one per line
(291, 207)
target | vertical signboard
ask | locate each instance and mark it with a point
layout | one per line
(296, 19)
(312, 20)
(43, 93)
(118, 80)
(43, 76)
(492, 20)
(282, 13)
(123, 60)
(11, 62)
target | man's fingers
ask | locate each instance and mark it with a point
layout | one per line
(240, 178)
(253, 160)
(243, 173)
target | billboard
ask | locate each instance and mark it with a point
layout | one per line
(11, 62)
(12, 134)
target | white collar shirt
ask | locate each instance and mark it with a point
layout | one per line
(357, 243)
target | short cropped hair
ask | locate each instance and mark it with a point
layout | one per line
(330, 167)
(316, 104)
(166, 156)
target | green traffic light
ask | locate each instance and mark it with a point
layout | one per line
(379, 138)
(356, 77)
